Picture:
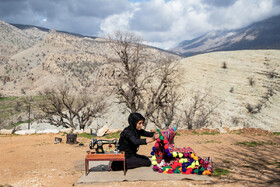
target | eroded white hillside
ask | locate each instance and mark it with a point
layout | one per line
(242, 80)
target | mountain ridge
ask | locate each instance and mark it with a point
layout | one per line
(260, 35)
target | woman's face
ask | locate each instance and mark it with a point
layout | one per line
(139, 125)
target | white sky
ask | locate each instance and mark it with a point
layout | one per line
(161, 23)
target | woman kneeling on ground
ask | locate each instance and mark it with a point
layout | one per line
(130, 141)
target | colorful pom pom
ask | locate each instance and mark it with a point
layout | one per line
(193, 164)
(191, 160)
(181, 155)
(206, 172)
(179, 160)
(189, 171)
(170, 171)
(154, 162)
(202, 169)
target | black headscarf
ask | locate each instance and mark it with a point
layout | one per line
(133, 119)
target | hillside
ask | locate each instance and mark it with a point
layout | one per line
(246, 82)
(43, 59)
(33, 59)
(260, 35)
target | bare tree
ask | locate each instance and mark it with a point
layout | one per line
(64, 109)
(200, 110)
(128, 49)
(28, 101)
(162, 98)
(143, 85)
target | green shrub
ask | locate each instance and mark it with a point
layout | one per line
(219, 171)
(276, 133)
(113, 135)
(86, 135)
(205, 133)
(254, 143)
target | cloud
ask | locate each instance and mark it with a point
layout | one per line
(165, 23)
(242, 13)
(115, 22)
(162, 23)
(98, 8)
(219, 3)
(153, 16)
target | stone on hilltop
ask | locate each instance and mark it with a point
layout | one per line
(47, 131)
(78, 131)
(89, 131)
(6, 131)
(24, 132)
(66, 130)
(111, 131)
(102, 131)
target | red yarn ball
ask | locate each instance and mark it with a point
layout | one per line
(170, 171)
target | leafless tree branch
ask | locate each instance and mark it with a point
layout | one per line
(63, 109)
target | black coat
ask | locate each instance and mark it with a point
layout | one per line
(130, 139)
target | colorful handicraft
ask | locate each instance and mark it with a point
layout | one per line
(166, 158)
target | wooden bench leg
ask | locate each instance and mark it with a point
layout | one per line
(86, 166)
(124, 168)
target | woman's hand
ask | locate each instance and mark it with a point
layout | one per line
(156, 135)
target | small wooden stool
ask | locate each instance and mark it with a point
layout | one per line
(93, 156)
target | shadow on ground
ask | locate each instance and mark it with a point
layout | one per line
(256, 165)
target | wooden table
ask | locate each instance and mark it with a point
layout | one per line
(93, 156)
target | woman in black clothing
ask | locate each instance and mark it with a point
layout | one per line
(129, 142)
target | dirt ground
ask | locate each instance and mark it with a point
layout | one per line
(34, 160)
